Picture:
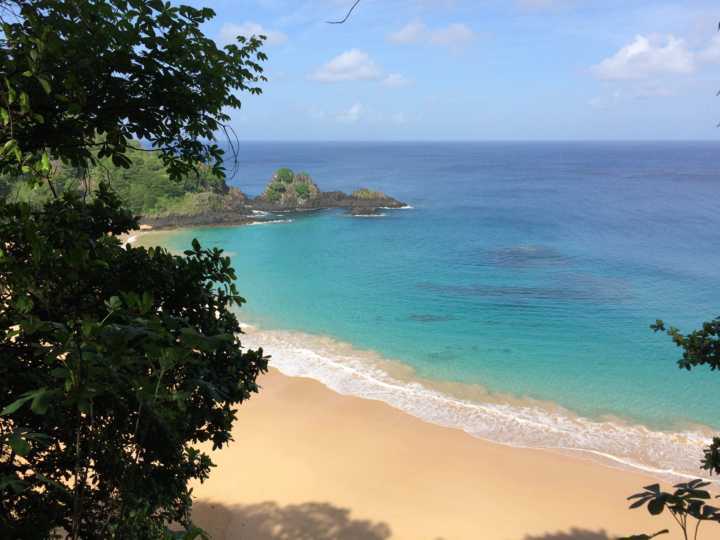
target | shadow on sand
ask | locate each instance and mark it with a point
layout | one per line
(269, 521)
(572, 534)
(314, 521)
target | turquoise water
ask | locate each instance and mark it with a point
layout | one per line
(532, 270)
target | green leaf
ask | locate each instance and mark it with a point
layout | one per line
(24, 101)
(45, 84)
(41, 401)
(19, 445)
(15, 405)
(45, 163)
(8, 147)
(114, 304)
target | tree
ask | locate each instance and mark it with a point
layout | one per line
(116, 363)
(82, 79)
(689, 500)
(687, 505)
(699, 348)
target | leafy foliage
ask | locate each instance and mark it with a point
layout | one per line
(144, 187)
(700, 348)
(115, 364)
(274, 191)
(93, 75)
(289, 188)
(302, 190)
(686, 504)
(119, 366)
(688, 501)
(284, 175)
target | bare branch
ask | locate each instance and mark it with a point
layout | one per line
(347, 16)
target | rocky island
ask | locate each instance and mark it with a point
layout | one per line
(286, 192)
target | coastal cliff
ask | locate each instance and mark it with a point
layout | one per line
(286, 192)
(207, 210)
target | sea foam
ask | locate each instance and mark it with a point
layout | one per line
(348, 371)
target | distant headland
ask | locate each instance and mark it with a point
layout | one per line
(287, 191)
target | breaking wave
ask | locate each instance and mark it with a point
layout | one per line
(514, 422)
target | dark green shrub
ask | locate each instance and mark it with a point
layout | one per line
(285, 175)
(302, 190)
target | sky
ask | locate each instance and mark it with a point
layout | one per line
(480, 69)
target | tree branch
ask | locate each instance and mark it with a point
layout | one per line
(347, 15)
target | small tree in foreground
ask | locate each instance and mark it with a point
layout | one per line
(688, 504)
(115, 364)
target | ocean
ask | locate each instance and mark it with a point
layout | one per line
(513, 298)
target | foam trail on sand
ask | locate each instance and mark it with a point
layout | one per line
(670, 455)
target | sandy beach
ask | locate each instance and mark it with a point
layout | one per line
(308, 463)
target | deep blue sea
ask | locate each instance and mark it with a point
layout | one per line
(513, 300)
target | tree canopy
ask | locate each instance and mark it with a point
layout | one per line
(119, 366)
(82, 79)
(115, 363)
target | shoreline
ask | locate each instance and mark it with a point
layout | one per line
(511, 421)
(516, 422)
(312, 459)
(200, 221)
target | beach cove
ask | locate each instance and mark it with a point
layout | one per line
(517, 314)
(309, 463)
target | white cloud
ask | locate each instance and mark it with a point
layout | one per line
(230, 31)
(453, 35)
(395, 80)
(647, 57)
(352, 115)
(352, 65)
(412, 32)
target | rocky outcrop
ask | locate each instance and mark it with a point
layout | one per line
(286, 192)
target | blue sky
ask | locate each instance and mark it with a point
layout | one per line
(480, 69)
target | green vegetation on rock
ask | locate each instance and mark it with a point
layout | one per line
(364, 193)
(285, 175)
(302, 190)
(290, 190)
